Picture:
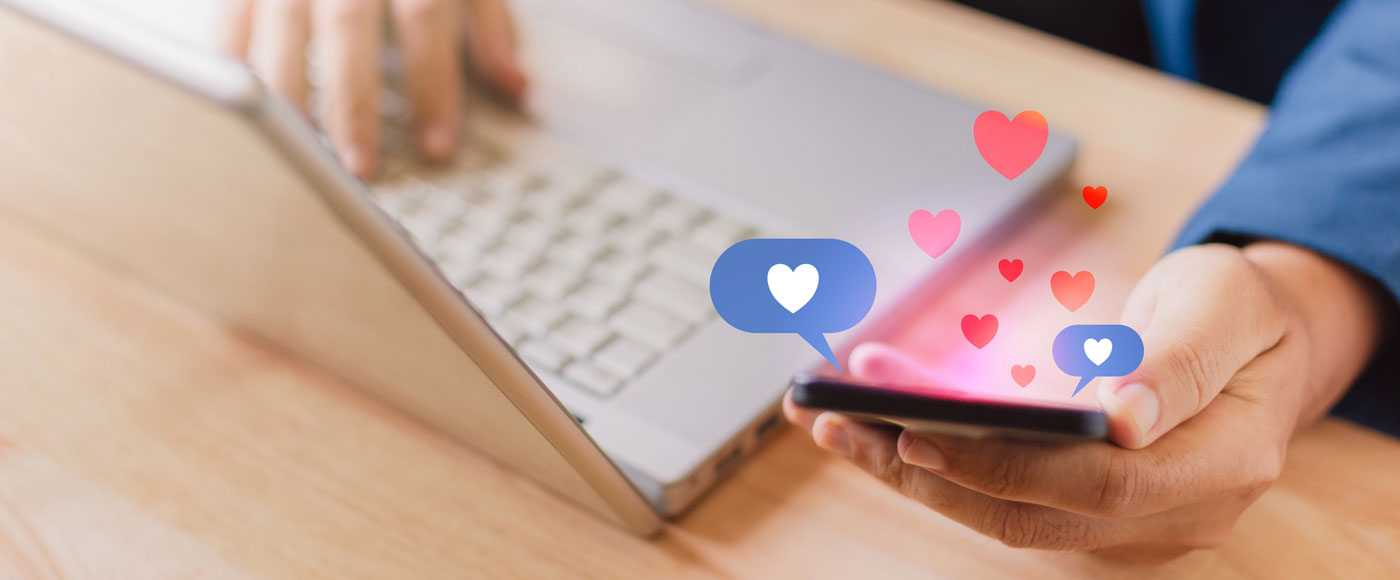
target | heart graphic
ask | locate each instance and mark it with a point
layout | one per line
(979, 331)
(792, 287)
(1095, 196)
(1098, 350)
(1010, 269)
(1010, 146)
(934, 234)
(1072, 291)
(1023, 375)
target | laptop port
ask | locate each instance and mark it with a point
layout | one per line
(767, 426)
(729, 460)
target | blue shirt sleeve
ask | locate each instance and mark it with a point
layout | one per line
(1325, 175)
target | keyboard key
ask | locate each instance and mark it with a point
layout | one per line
(677, 296)
(591, 221)
(628, 197)
(509, 261)
(624, 357)
(618, 270)
(509, 331)
(648, 324)
(579, 336)
(685, 260)
(542, 355)
(592, 378)
(676, 216)
(718, 233)
(426, 226)
(551, 281)
(634, 238)
(595, 301)
(471, 239)
(574, 252)
(538, 316)
(492, 295)
(460, 268)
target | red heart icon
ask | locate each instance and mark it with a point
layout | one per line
(1023, 375)
(1095, 196)
(1010, 146)
(1072, 291)
(1010, 269)
(979, 331)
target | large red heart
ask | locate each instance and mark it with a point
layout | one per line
(979, 331)
(1023, 375)
(1010, 146)
(1010, 269)
(1095, 196)
(1072, 291)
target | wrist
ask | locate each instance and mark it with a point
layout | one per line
(1332, 310)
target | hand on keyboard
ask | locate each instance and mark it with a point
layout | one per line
(347, 37)
(590, 273)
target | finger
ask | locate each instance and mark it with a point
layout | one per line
(426, 30)
(1013, 523)
(492, 45)
(277, 52)
(801, 417)
(883, 365)
(1203, 313)
(238, 19)
(1226, 451)
(349, 39)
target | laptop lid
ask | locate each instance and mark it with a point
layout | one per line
(176, 165)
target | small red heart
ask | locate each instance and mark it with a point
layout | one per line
(1072, 291)
(1095, 196)
(979, 331)
(1023, 375)
(1010, 269)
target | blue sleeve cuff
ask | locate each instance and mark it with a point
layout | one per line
(1325, 175)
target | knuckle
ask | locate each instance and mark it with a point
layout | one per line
(1015, 526)
(1001, 479)
(1188, 366)
(1122, 487)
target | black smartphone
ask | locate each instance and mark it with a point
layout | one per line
(949, 411)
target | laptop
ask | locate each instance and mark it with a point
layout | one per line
(543, 298)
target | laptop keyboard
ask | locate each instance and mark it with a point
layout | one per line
(588, 272)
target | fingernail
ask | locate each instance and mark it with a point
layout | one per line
(1141, 404)
(438, 140)
(925, 454)
(831, 436)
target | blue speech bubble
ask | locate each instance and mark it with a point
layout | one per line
(1080, 351)
(844, 288)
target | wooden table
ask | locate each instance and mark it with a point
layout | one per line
(142, 439)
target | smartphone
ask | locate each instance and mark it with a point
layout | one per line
(949, 411)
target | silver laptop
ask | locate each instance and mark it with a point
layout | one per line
(544, 297)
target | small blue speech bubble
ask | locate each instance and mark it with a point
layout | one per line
(1097, 350)
(806, 287)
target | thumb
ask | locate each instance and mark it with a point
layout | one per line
(1204, 312)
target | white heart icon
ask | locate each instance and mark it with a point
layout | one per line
(1098, 350)
(792, 287)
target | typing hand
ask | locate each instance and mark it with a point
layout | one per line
(1242, 347)
(274, 37)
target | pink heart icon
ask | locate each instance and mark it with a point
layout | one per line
(1010, 146)
(934, 234)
